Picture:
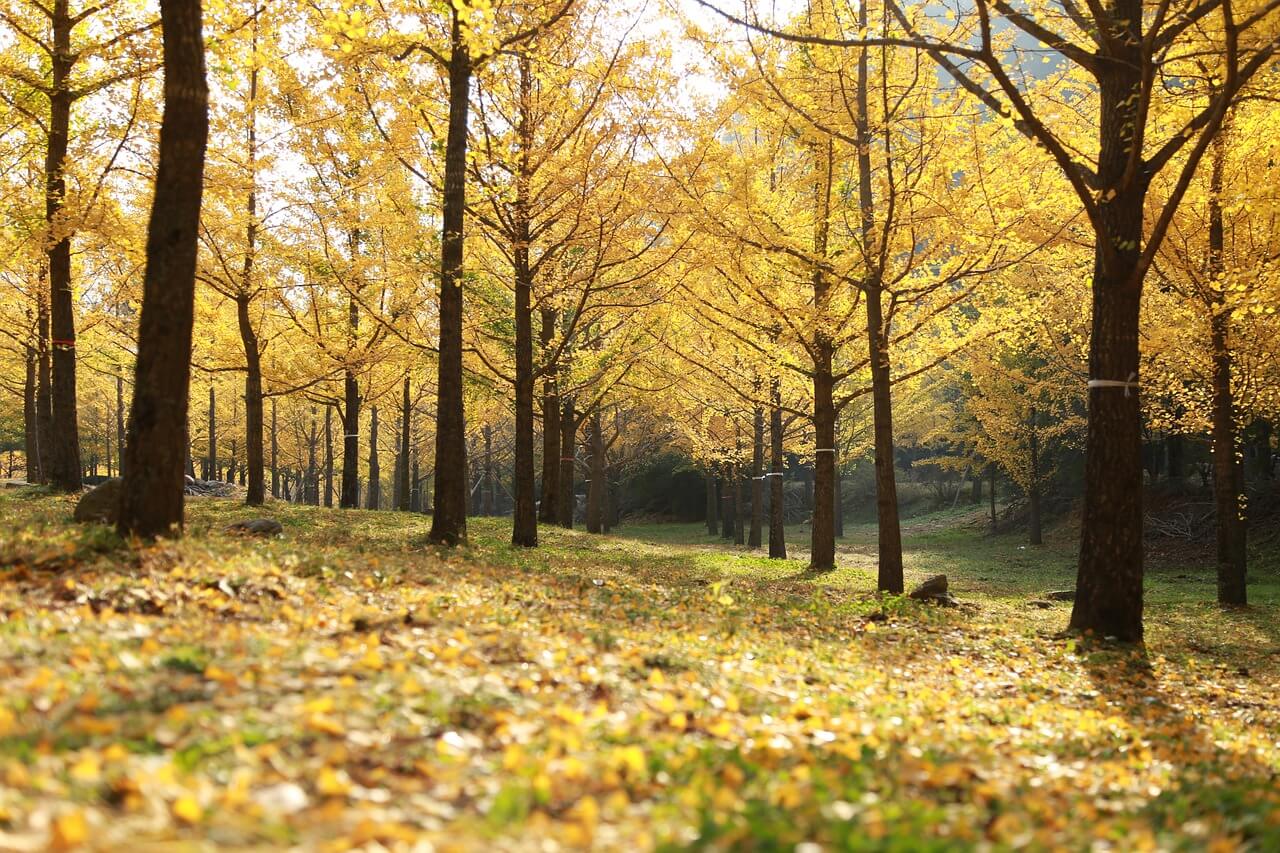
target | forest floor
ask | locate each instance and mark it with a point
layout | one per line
(346, 685)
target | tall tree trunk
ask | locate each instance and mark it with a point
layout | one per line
(328, 454)
(30, 429)
(1109, 580)
(120, 427)
(374, 498)
(151, 499)
(405, 501)
(487, 491)
(44, 382)
(1228, 473)
(524, 528)
(275, 453)
(713, 504)
(415, 487)
(1033, 493)
(598, 484)
(777, 495)
(725, 500)
(757, 479)
(64, 465)
(568, 445)
(739, 512)
(350, 497)
(313, 470)
(256, 492)
(991, 471)
(823, 542)
(449, 520)
(212, 463)
(548, 509)
(889, 534)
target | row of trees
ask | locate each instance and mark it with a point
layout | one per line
(866, 221)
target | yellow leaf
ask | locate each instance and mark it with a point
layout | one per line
(69, 830)
(187, 810)
(333, 783)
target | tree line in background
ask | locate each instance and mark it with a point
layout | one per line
(517, 246)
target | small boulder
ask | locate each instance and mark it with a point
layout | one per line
(931, 588)
(101, 503)
(1061, 595)
(257, 527)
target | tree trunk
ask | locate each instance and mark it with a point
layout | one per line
(713, 520)
(739, 511)
(64, 466)
(252, 401)
(327, 497)
(212, 462)
(757, 479)
(598, 484)
(1033, 493)
(120, 428)
(30, 429)
(415, 489)
(275, 453)
(155, 454)
(524, 527)
(823, 543)
(350, 496)
(1109, 580)
(44, 387)
(777, 497)
(449, 520)
(405, 502)
(838, 509)
(487, 491)
(374, 498)
(548, 509)
(313, 471)
(991, 470)
(1228, 473)
(726, 502)
(568, 446)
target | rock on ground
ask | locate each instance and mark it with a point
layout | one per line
(101, 503)
(257, 527)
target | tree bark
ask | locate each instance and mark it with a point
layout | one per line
(487, 490)
(524, 528)
(211, 464)
(374, 497)
(1228, 473)
(568, 445)
(991, 471)
(327, 497)
(275, 453)
(64, 458)
(739, 537)
(449, 520)
(757, 479)
(44, 383)
(350, 496)
(777, 496)
(548, 509)
(1033, 493)
(313, 470)
(156, 451)
(598, 484)
(405, 501)
(30, 429)
(713, 519)
(822, 549)
(256, 492)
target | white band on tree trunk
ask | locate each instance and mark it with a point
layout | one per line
(1127, 384)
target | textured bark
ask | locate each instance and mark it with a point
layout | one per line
(256, 492)
(275, 454)
(777, 500)
(120, 410)
(713, 514)
(373, 500)
(597, 485)
(568, 445)
(487, 491)
(313, 470)
(30, 427)
(739, 537)
(404, 500)
(350, 496)
(449, 519)
(1109, 579)
(823, 543)
(63, 469)
(1228, 467)
(548, 509)
(328, 454)
(1036, 536)
(524, 527)
(211, 462)
(757, 479)
(44, 384)
(155, 454)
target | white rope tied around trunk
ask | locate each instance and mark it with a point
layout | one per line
(1130, 384)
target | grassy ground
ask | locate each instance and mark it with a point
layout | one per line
(347, 685)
